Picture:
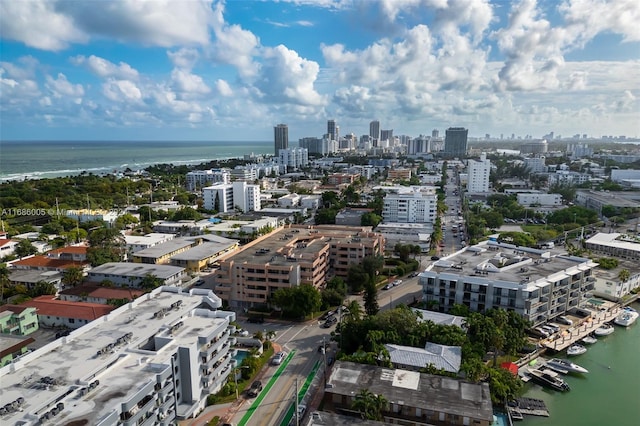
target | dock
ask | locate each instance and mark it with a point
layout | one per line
(573, 334)
(531, 406)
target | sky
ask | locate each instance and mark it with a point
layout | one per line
(232, 70)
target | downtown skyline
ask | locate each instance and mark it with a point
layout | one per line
(208, 70)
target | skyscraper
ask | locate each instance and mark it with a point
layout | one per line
(374, 131)
(281, 137)
(455, 142)
(332, 130)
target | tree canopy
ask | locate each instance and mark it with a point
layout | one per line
(297, 302)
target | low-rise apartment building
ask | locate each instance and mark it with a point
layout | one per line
(290, 257)
(414, 399)
(18, 320)
(131, 274)
(534, 283)
(151, 362)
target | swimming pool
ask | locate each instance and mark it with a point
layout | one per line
(240, 356)
(500, 419)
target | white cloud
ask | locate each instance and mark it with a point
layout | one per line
(223, 88)
(286, 77)
(234, 45)
(184, 58)
(189, 83)
(62, 88)
(587, 18)
(104, 68)
(54, 25)
(121, 90)
(38, 24)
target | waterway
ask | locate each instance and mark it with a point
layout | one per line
(609, 395)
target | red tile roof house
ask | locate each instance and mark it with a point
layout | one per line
(7, 247)
(60, 313)
(94, 293)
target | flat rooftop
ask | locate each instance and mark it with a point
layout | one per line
(413, 389)
(288, 245)
(73, 362)
(508, 265)
(136, 270)
(33, 275)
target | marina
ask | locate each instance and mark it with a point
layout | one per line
(604, 396)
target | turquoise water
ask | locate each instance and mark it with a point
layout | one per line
(501, 420)
(46, 159)
(608, 395)
(240, 356)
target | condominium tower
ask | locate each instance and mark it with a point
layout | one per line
(281, 137)
(455, 142)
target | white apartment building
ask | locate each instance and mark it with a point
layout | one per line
(568, 178)
(478, 175)
(126, 274)
(535, 164)
(534, 283)
(289, 200)
(88, 215)
(291, 159)
(415, 204)
(251, 172)
(539, 198)
(200, 178)
(153, 361)
(226, 198)
(136, 243)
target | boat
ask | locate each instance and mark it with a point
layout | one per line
(604, 330)
(589, 340)
(627, 317)
(566, 365)
(576, 349)
(515, 414)
(549, 378)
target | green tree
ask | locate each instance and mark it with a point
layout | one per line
(371, 299)
(337, 284)
(624, 275)
(370, 219)
(4, 280)
(298, 302)
(105, 245)
(503, 385)
(72, 276)
(25, 248)
(356, 278)
(41, 288)
(370, 405)
(150, 281)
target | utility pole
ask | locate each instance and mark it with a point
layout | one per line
(295, 398)
(324, 353)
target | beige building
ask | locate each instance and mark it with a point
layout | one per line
(399, 174)
(290, 257)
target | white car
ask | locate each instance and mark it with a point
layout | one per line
(278, 358)
(242, 333)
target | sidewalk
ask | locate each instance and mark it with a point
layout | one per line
(227, 411)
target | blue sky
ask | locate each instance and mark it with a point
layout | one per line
(210, 70)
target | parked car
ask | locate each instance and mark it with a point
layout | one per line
(255, 388)
(242, 333)
(564, 320)
(256, 320)
(435, 258)
(414, 274)
(278, 358)
(326, 315)
(387, 286)
(397, 283)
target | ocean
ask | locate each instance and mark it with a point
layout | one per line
(21, 160)
(609, 395)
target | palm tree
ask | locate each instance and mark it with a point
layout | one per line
(72, 276)
(369, 404)
(355, 310)
(624, 275)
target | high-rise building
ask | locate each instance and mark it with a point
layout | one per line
(479, 175)
(455, 141)
(374, 131)
(386, 135)
(332, 130)
(281, 137)
(231, 196)
(435, 133)
(415, 204)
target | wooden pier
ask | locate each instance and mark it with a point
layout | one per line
(573, 334)
(532, 407)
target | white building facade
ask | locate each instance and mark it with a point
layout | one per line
(200, 178)
(226, 198)
(541, 199)
(410, 205)
(478, 179)
(291, 159)
(115, 372)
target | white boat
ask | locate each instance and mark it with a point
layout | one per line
(549, 378)
(627, 317)
(566, 365)
(576, 349)
(589, 340)
(604, 330)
